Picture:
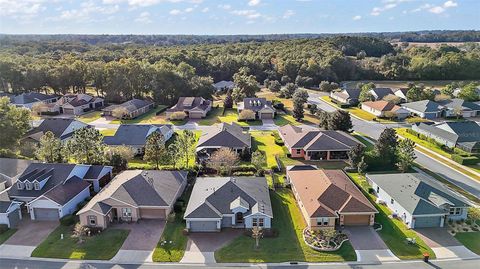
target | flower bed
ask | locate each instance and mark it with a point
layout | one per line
(317, 241)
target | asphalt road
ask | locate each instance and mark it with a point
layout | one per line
(373, 130)
(36, 264)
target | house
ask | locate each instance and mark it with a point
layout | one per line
(402, 93)
(10, 170)
(379, 93)
(78, 104)
(417, 199)
(385, 109)
(464, 135)
(459, 107)
(224, 135)
(457, 91)
(346, 96)
(328, 198)
(135, 135)
(263, 109)
(316, 145)
(425, 109)
(134, 195)
(29, 99)
(130, 109)
(194, 107)
(224, 85)
(221, 202)
(10, 213)
(62, 129)
(51, 191)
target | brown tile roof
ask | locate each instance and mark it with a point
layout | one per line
(382, 105)
(324, 192)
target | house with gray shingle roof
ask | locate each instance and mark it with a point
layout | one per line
(62, 129)
(224, 85)
(193, 107)
(316, 145)
(461, 134)
(425, 109)
(29, 99)
(77, 104)
(135, 135)
(131, 109)
(262, 108)
(221, 202)
(134, 195)
(346, 96)
(224, 135)
(459, 107)
(417, 199)
(380, 93)
(51, 191)
(10, 170)
(10, 213)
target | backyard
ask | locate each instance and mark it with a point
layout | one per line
(288, 246)
(99, 247)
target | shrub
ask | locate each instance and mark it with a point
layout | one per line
(178, 207)
(246, 115)
(244, 174)
(67, 220)
(278, 139)
(244, 168)
(466, 160)
(179, 115)
(277, 104)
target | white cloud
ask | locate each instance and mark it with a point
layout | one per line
(146, 3)
(288, 13)
(86, 12)
(188, 10)
(450, 4)
(226, 7)
(175, 12)
(21, 7)
(253, 3)
(378, 10)
(356, 18)
(248, 13)
(436, 9)
(205, 10)
(144, 17)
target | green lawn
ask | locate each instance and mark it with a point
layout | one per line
(91, 116)
(100, 247)
(172, 232)
(265, 142)
(394, 232)
(356, 111)
(108, 132)
(150, 117)
(471, 240)
(229, 116)
(5, 235)
(288, 246)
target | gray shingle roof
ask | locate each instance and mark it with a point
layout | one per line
(257, 104)
(190, 103)
(30, 97)
(456, 132)
(425, 106)
(459, 103)
(4, 205)
(212, 197)
(135, 134)
(382, 92)
(130, 105)
(13, 167)
(416, 192)
(297, 137)
(57, 126)
(225, 135)
(63, 193)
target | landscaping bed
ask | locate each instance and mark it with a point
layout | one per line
(319, 242)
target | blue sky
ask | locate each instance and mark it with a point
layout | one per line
(234, 16)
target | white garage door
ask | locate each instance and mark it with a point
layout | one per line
(46, 213)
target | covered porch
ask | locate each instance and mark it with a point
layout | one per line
(326, 155)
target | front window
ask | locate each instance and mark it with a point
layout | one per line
(322, 221)
(20, 185)
(127, 212)
(455, 211)
(92, 220)
(260, 222)
(254, 222)
(299, 151)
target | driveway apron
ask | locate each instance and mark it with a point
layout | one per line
(443, 244)
(368, 245)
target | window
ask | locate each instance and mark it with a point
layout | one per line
(36, 185)
(127, 212)
(392, 201)
(92, 220)
(254, 222)
(322, 221)
(20, 185)
(28, 185)
(299, 151)
(455, 211)
(260, 222)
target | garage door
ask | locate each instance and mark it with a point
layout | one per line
(152, 213)
(68, 111)
(203, 226)
(356, 220)
(267, 115)
(46, 213)
(426, 222)
(195, 115)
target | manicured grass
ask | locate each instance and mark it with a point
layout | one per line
(265, 142)
(394, 232)
(415, 120)
(356, 111)
(91, 116)
(108, 132)
(229, 116)
(471, 240)
(5, 235)
(99, 247)
(173, 232)
(288, 246)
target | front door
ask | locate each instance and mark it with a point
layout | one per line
(239, 218)
(115, 213)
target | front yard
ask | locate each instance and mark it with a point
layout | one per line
(230, 115)
(151, 117)
(471, 240)
(6, 234)
(91, 116)
(288, 246)
(356, 111)
(394, 232)
(99, 247)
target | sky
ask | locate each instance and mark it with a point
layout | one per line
(227, 17)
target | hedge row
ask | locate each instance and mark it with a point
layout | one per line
(278, 139)
(465, 160)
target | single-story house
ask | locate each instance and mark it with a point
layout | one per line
(133, 195)
(384, 109)
(194, 107)
(51, 191)
(10, 170)
(425, 109)
(379, 93)
(402, 93)
(224, 85)
(29, 99)
(464, 135)
(459, 107)
(263, 109)
(221, 202)
(224, 135)
(347, 96)
(62, 129)
(78, 104)
(316, 145)
(417, 199)
(135, 135)
(132, 108)
(328, 198)
(10, 213)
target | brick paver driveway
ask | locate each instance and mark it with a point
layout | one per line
(32, 233)
(368, 245)
(443, 244)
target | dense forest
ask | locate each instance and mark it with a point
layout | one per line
(120, 71)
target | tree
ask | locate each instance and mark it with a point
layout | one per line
(39, 107)
(258, 159)
(405, 154)
(392, 98)
(285, 79)
(174, 153)
(323, 118)
(228, 102)
(155, 149)
(365, 94)
(119, 112)
(288, 90)
(386, 146)
(14, 123)
(361, 55)
(274, 86)
(340, 120)
(50, 149)
(79, 232)
(246, 115)
(222, 160)
(257, 233)
(474, 213)
(329, 234)
(448, 90)
(186, 142)
(244, 83)
(118, 162)
(86, 146)
(469, 93)
(178, 115)
(415, 93)
(299, 99)
(362, 166)
(355, 155)
(313, 109)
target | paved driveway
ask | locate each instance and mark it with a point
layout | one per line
(368, 245)
(141, 241)
(443, 244)
(202, 246)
